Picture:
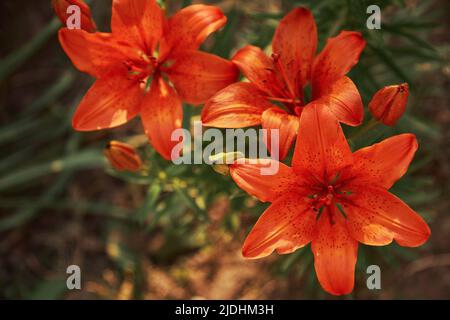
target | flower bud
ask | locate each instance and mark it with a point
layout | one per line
(389, 103)
(63, 10)
(122, 156)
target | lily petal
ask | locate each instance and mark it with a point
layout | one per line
(340, 54)
(287, 126)
(321, 149)
(236, 106)
(260, 70)
(137, 22)
(198, 75)
(94, 53)
(161, 114)
(189, 27)
(335, 254)
(382, 164)
(344, 101)
(287, 225)
(248, 176)
(375, 217)
(295, 41)
(110, 102)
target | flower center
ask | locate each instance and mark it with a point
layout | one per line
(325, 197)
(329, 194)
(142, 70)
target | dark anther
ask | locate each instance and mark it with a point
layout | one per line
(275, 57)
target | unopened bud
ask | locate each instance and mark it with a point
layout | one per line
(64, 11)
(122, 156)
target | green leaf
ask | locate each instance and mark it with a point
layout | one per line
(410, 36)
(21, 128)
(189, 202)
(389, 61)
(48, 290)
(52, 93)
(149, 205)
(411, 123)
(83, 160)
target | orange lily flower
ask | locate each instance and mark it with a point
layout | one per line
(123, 156)
(60, 8)
(136, 76)
(332, 198)
(282, 79)
(389, 103)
